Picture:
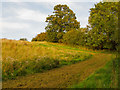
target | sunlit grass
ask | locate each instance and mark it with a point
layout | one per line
(22, 57)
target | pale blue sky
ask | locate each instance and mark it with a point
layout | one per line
(27, 19)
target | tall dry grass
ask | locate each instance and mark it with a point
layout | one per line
(23, 57)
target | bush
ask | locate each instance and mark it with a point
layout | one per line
(74, 37)
(51, 36)
(40, 37)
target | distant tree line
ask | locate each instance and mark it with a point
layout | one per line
(23, 39)
(102, 32)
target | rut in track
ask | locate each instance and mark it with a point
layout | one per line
(60, 77)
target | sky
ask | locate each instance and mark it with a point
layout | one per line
(22, 19)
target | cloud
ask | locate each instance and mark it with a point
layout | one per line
(27, 14)
(28, 19)
(14, 25)
(20, 30)
(83, 21)
(23, 12)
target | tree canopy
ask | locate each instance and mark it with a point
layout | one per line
(103, 22)
(102, 32)
(62, 21)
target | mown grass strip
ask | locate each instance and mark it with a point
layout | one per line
(70, 48)
(102, 78)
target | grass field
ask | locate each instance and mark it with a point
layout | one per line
(21, 58)
(53, 65)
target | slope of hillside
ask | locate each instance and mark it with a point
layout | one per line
(59, 77)
(21, 58)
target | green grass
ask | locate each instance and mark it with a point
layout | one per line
(102, 78)
(75, 47)
(117, 70)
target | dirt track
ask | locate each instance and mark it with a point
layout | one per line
(60, 77)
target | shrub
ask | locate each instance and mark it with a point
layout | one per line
(40, 37)
(74, 37)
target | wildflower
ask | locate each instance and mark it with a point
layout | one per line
(26, 61)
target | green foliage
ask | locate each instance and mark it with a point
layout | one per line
(60, 37)
(75, 37)
(103, 22)
(69, 37)
(52, 36)
(40, 37)
(23, 39)
(62, 21)
(101, 33)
